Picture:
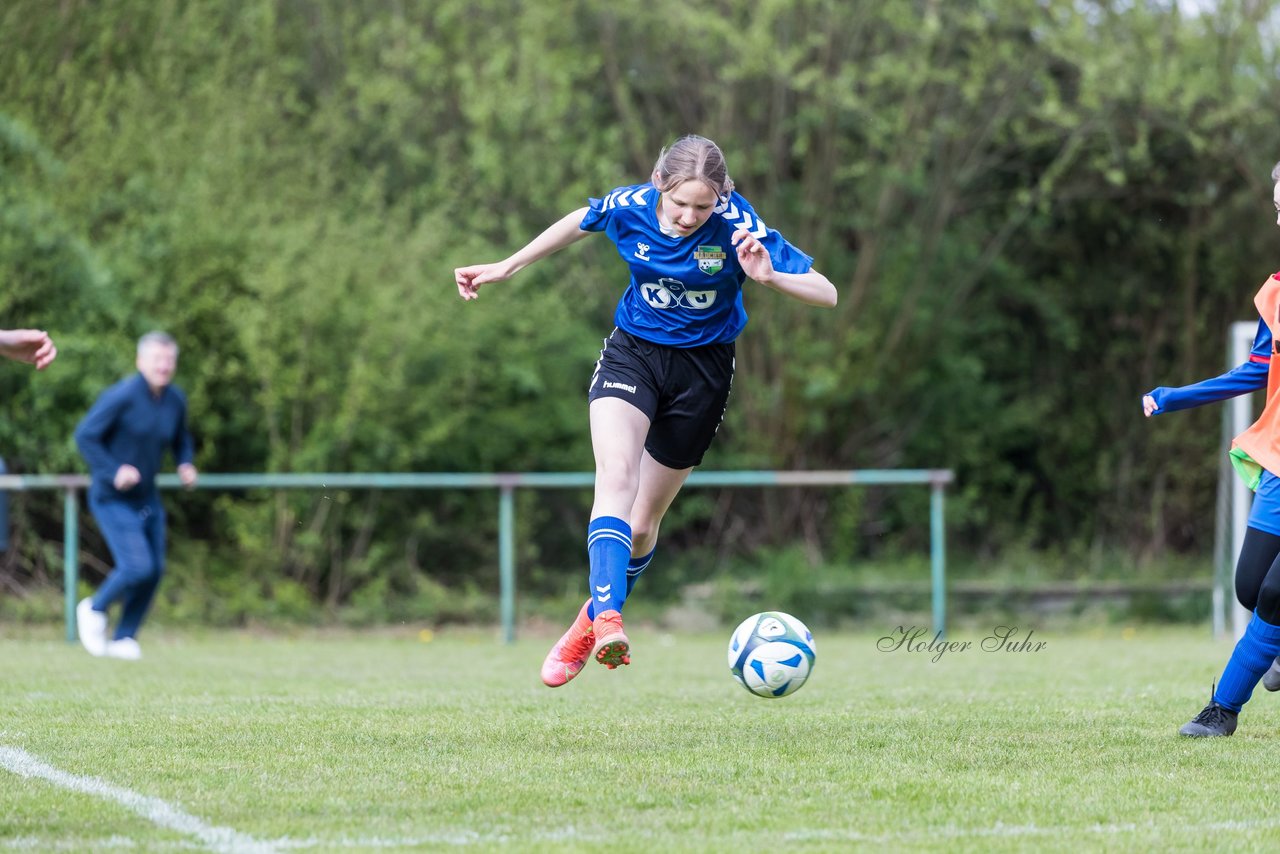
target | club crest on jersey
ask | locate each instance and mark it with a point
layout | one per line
(710, 259)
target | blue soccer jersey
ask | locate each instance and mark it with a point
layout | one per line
(684, 291)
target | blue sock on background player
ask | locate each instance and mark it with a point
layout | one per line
(635, 566)
(609, 551)
(1249, 660)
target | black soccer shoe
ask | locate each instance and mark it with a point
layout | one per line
(1271, 679)
(1214, 720)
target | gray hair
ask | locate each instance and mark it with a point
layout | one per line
(693, 158)
(157, 337)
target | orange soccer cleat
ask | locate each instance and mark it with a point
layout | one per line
(570, 653)
(612, 646)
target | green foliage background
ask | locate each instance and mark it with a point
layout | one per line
(1034, 210)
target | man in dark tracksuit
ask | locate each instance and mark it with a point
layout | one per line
(123, 439)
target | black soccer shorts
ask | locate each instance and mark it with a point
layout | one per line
(683, 390)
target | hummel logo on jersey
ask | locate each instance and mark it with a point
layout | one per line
(625, 197)
(740, 218)
(672, 293)
(710, 259)
(630, 389)
(642, 251)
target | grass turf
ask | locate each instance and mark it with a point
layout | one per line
(342, 742)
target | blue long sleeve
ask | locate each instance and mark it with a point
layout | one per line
(97, 428)
(184, 447)
(1242, 379)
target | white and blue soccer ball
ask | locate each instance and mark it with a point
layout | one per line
(771, 654)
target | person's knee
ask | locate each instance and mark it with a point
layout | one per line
(140, 569)
(1268, 606)
(617, 475)
(1257, 557)
(644, 533)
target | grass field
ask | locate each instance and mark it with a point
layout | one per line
(350, 742)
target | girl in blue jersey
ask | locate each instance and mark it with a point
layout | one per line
(661, 385)
(1256, 455)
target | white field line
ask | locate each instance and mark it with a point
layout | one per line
(154, 810)
(35, 843)
(222, 839)
(467, 838)
(1014, 831)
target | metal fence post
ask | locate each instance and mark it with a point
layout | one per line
(507, 559)
(70, 556)
(938, 556)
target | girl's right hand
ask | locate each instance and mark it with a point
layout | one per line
(1149, 406)
(470, 279)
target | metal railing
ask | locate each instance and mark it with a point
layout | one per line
(506, 484)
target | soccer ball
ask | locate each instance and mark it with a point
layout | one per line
(771, 654)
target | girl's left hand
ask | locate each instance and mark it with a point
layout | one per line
(753, 257)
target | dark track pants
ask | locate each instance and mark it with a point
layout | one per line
(135, 536)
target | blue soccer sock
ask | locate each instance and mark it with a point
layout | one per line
(608, 550)
(1249, 660)
(635, 566)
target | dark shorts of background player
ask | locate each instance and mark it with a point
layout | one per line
(684, 391)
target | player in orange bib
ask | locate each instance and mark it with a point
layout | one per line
(1256, 456)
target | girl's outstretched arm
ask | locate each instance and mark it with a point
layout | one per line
(560, 234)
